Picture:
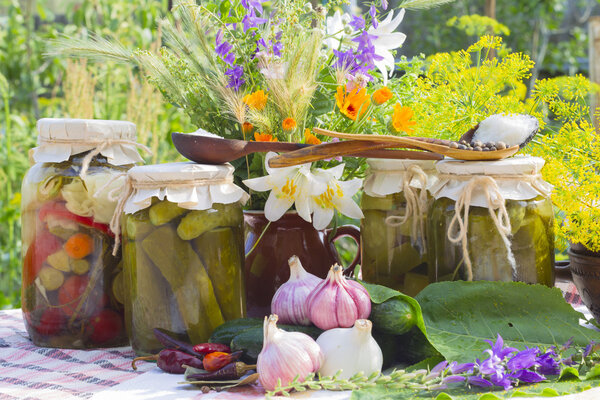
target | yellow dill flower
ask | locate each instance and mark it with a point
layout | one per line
(264, 137)
(382, 95)
(256, 100)
(354, 103)
(309, 138)
(402, 119)
(288, 124)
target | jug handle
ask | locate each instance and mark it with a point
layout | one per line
(353, 232)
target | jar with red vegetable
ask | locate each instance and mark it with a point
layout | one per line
(72, 292)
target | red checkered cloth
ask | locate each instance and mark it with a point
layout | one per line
(31, 372)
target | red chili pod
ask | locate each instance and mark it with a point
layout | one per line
(172, 361)
(218, 359)
(205, 348)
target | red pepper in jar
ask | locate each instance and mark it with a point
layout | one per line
(205, 348)
(218, 359)
(55, 209)
(42, 246)
(171, 361)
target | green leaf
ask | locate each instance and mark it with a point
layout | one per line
(460, 316)
(489, 396)
(444, 396)
(379, 294)
(569, 374)
(593, 373)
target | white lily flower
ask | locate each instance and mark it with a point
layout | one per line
(288, 186)
(387, 40)
(337, 196)
(335, 30)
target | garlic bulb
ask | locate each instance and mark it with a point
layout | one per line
(351, 350)
(286, 355)
(289, 302)
(337, 302)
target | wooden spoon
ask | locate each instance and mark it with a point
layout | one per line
(434, 145)
(209, 150)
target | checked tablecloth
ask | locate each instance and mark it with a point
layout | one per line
(28, 372)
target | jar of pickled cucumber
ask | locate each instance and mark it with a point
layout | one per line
(393, 230)
(492, 220)
(182, 230)
(72, 294)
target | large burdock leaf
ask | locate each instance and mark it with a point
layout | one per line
(460, 316)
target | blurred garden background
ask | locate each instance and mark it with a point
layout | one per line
(554, 33)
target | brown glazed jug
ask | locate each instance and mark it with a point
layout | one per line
(266, 265)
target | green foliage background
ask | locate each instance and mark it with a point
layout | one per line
(31, 85)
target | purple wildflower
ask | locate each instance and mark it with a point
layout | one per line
(384, 4)
(548, 364)
(365, 53)
(440, 367)
(588, 349)
(457, 368)
(478, 381)
(222, 49)
(491, 366)
(501, 380)
(250, 20)
(567, 345)
(528, 376)
(247, 4)
(357, 23)
(373, 14)
(523, 360)
(347, 61)
(498, 349)
(235, 75)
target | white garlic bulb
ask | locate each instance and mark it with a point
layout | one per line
(286, 355)
(350, 350)
(289, 302)
(337, 302)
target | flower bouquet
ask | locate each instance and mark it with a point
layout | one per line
(272, 72)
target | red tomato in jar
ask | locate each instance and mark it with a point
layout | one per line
(42, 246)
(69, 294)
(51, 322)
(105, 326)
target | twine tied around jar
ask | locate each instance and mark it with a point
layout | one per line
(496, 208)
(416, 203)
(131, 184)
(100, 146)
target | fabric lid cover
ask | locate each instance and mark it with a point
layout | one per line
(190, 185)
(386, 176)
(518, 178)
(60, 138)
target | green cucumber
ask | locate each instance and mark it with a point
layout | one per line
(393, 316)
(226, 332)
(251, 340)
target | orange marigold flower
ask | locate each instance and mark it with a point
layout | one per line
(247, 128)
(402, 119)
(256, 100)
(382, 95)
(264, 137)
(309, 138)
(289, 124)
(354, 103)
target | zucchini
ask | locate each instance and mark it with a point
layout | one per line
(393, 316)
(251, 340)
(226, 332)
(415, 347)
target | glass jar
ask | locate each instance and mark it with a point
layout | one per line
(393, 230)
(183, 252)
(72, 294)
(515, 245)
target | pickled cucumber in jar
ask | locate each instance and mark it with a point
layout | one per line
(531, 243)
(183, 271)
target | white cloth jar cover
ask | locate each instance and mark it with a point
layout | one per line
(61, 138)
(191, 186)
(388, 176)
(518, 178)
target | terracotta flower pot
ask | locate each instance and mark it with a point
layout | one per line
(585, 269)
(267, 261)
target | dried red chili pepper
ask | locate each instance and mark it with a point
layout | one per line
(171, 361)
(218, 359)
(231, 371)
(55, 209)
(205, 348)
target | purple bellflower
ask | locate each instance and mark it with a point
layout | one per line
(257, 4)
(373, 14)
(250, 20)
(358, 23)
(235, 75)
